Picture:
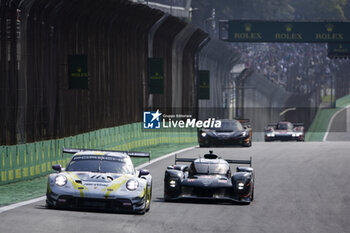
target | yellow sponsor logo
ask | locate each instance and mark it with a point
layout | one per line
(11, 175)
(32, 171)
(37, 169)
(245, 35)
(43, 167)
(329, 36)
(247, 27)
(329, 27)
(18, 173)
(25, 172)
(115, 185)
(4, 176)
(76, 185)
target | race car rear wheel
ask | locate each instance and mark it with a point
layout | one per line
(252, 195)
(247, 144)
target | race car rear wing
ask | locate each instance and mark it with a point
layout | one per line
(272, 124)
(244, 122)
(187, 160)
(132, 154)
(297, 124)
(240, 161)
(236, 161)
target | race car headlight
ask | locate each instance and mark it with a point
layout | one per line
(244, 134)
(240, 185)
(132, 185)
(61, 180)
(172, 183)
(204, 134)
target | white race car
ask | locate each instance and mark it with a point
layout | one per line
(98, 179)
(284, 131)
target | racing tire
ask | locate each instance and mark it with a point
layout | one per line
(252, 195)
(150, 200)
(49, 206)
(205, 144)
(249, 144)
(147, 207)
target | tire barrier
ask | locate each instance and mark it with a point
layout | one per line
(27, 161)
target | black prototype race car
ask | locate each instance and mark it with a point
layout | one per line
(209, 178)
(231, 132)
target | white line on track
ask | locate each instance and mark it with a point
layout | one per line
(164, 157)
(19, 204)
(331, 120)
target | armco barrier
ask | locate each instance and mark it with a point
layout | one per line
(26, 161)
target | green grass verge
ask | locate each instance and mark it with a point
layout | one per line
(29, 189)
(319, 126)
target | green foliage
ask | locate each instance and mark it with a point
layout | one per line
(273, 9)
(319, 9)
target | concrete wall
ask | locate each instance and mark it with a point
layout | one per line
(263, 101)
(219, 59)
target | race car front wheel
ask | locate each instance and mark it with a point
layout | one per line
(149, 199)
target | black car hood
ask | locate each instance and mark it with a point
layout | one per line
(224, 133)
(207, 181)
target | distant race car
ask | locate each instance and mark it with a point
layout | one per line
(231, 132)
(284, 131)
(98, 179)
(209, 178)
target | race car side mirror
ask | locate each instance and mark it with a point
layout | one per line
(57, 167)
(143, 173)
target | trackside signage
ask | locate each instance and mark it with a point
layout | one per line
(156, 75)
(338, 50)
(284, 31)
(78, 71)
(156, 120)
(204, 85)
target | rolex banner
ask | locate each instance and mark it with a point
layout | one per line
(78, 72)
(156, 75)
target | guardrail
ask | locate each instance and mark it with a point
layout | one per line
(26, 161)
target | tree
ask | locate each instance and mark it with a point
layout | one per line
(319, 9)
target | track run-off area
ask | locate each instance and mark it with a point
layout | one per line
(299, 187)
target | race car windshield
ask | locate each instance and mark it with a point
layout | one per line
(103, 164)
(211, 169)
(229, 126)
(282, 126)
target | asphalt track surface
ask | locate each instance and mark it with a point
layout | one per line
(300, 187)
(339, 129)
